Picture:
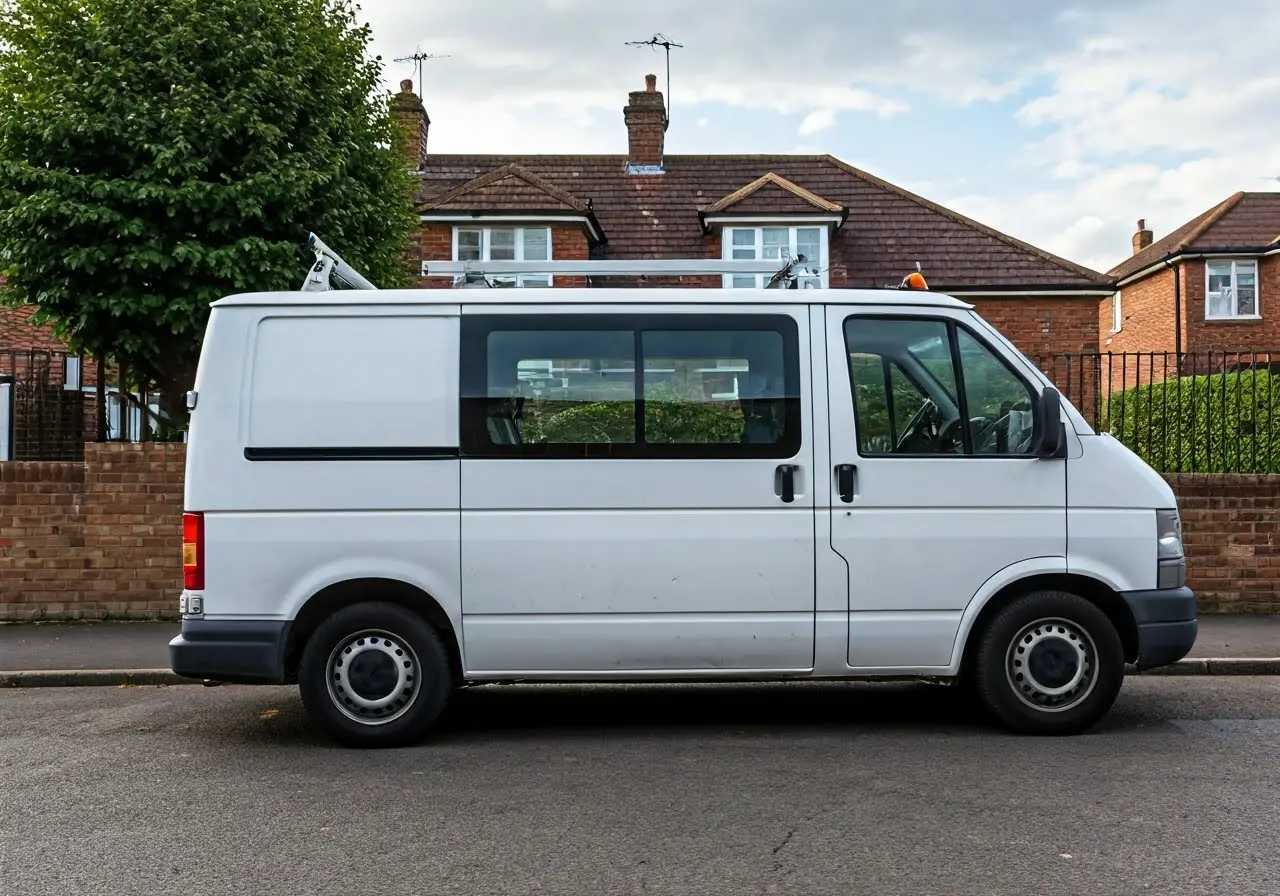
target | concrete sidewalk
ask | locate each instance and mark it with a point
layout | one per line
(117, 646)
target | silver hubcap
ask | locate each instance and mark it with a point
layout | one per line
(373, 677)
(1052, 665)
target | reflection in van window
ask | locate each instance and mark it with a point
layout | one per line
(998, 402)
(904, 374)
(719, 392)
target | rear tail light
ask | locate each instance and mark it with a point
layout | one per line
(193, 551)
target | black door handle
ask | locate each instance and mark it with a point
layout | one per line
(844, 481)
(787, 472)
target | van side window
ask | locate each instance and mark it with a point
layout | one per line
(925, 386)
(709, 386)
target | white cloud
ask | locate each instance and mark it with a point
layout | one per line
(518, 75)
(1135, 108)
(1147, 118)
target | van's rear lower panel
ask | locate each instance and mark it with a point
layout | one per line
(240, 651)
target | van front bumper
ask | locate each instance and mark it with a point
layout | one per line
(236, 651)
(1166, 624)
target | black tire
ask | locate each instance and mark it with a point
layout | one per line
(1061, 636)
(398, 643)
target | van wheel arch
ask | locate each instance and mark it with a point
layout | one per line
(1092, 590)
(332, 598)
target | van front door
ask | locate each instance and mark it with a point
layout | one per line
(637, 491)
(932, 488)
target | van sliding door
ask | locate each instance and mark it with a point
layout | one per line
(637, 491)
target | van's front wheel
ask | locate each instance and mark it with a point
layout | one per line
(374, 675)
(1049, 663)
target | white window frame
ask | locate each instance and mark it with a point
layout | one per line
(486, 231)
(1117, 312)
(822, 263)
(1257, 289)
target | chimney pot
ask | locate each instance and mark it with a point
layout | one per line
(646, 119)
(412, 115)
(1143, 238)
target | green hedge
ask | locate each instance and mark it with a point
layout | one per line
(1223, 423)
(667, 419)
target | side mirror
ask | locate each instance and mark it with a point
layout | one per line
(1051, 432)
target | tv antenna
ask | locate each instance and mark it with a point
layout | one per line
(418, 58)
(660, 40)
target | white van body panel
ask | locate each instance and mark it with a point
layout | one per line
(573, 569)
(602, 566)
(279, 379)
(1113, 529)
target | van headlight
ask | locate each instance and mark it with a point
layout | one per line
(1171, 571)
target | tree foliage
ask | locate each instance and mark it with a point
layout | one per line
(1224, 423)
(156, 155)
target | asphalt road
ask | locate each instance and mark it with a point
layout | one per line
(795, 788)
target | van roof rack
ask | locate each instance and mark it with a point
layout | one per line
(784, 274)
(794, 273)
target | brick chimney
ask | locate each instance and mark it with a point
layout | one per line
(412, 115)
(1143, 237)
(646, 118)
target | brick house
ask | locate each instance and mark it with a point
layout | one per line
(1204, 287)
(864, 231)
(861, 230)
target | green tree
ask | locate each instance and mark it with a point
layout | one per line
(156, 155)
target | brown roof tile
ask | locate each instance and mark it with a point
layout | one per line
(887, 230)
(1241, 221)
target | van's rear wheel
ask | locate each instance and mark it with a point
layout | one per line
(1049, 663)
(374, 675)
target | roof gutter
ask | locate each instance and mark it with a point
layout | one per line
(1184, 255)
(1177, 313)
(1023, 291)
(710, 220)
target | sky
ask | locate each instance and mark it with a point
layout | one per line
(1060, 123)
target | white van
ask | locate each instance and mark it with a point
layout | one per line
(393, 493)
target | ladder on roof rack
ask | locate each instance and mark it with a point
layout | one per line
(330, 265)
(795, 273)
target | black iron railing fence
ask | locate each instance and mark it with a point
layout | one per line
(51, 403)
(1198, 412)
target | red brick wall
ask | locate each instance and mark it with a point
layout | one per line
(103, 537)
(1147, 309)
(94, 539)
(17, 334)
(1053, 332)
(1230, 335)
(435, 243)
(1231, 531)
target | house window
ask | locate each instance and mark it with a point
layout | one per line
(762, 243)
(505, 244)
(1117, 313)
(1231, 289)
